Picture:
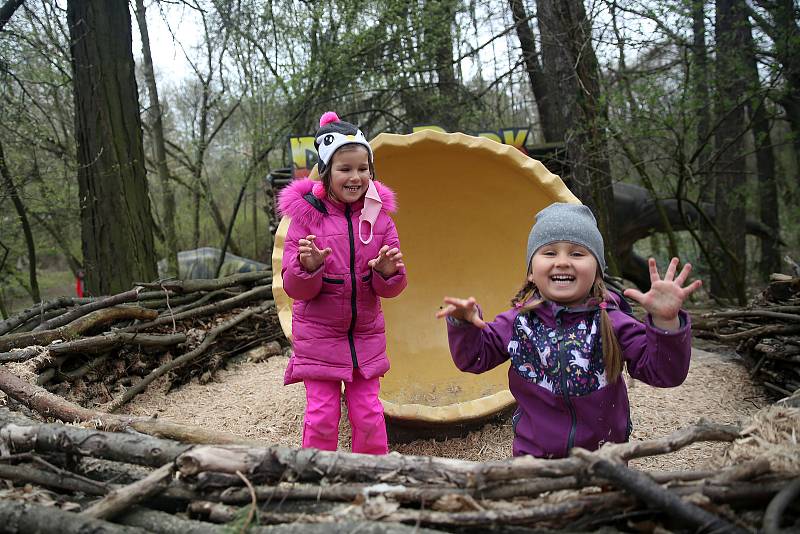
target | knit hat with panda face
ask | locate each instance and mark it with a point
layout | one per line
(333, 134)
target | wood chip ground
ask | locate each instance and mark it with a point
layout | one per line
(249, 399)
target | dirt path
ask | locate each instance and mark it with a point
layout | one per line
(249, 399)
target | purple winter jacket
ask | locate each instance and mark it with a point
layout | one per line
(337, 322)
(563, 400)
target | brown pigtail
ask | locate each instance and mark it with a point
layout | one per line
(524, 295)
(612, 353)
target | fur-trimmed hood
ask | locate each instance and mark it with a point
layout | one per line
(293, 203)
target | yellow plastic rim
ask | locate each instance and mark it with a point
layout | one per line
(466, 206)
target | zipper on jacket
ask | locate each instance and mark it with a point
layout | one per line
(563, 379)
(354, 314)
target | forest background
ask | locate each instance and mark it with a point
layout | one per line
(108, 164)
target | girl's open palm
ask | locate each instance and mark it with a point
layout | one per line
(388, 261)
(665, 298)
(461, 309)
(311, 258)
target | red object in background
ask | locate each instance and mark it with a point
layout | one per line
(79, 285)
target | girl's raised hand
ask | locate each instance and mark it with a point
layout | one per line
(388, 262)
(665, 298)
(461, 309)
(311, 258)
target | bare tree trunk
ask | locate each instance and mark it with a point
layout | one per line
(544, 101)
(116, 223)
(769, 208)
(168, 195)
(700, 82)
(439, 17)
(22, 213)
(730, 192)
(787, 47)
(571, 65)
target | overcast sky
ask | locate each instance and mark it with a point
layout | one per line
(169, 59)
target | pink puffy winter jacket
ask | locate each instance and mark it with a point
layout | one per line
(337, 323)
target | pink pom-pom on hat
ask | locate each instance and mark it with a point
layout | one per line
(328, 117)
(318, 190)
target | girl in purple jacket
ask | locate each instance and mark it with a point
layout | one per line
(340, 256)
(568, 340)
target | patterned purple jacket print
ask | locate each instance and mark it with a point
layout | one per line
(557, 373)
(337, 322)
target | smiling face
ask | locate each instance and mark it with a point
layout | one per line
(563, 272)
(349, 174)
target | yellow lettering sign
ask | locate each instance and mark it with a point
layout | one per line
(515, 137)
(304, 155)
(490, 135)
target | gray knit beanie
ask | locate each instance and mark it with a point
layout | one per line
(567, 222)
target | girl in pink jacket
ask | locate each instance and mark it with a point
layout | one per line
(341, 255)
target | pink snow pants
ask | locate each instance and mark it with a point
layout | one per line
(364, 410)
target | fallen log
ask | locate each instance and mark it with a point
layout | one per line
(76, 327)
(646, 489)
(62, 481)
(80, 311)
(118, 500)
(259, 292)
(422, 494)
(47, 404)
(213, 295)
(777, 506)
(280, 463)
(188, 286)
(21, 355)
(110, 340)
(770, 329)
(23, 518)
(24, 316)
(117, 446)
(165, 523)
(169, 299)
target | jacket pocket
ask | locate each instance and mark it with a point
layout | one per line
(327, 308)
(368, 301)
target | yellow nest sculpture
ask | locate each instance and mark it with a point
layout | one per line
(466, 205)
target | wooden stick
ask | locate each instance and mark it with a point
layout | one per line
(761, 331)
(213, 295)
(105, 302)
(20, 516)
(274, 463)
(21, 355)
(776, 507)
(643, 487)
(258, 292)
(132, 391)
(109, 340)
(188, 286)
(30, 475)
(76, 327)
(165, 523)
(527, 515)
(116, 446)
(21, 318)
(758, 313)
(121, 498)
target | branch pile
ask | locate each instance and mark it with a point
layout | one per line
(123, 482)
(766, 333)
(105, 351)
